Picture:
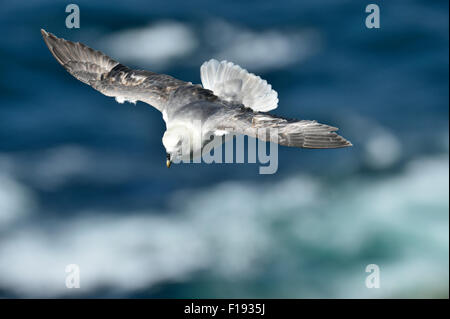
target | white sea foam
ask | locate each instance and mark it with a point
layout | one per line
(154, 45)
(16, 201)
(56, 167)
(263, 49)
(160, 43)
(231, 228)
(383, 149)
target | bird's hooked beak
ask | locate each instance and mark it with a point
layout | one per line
(168, 161)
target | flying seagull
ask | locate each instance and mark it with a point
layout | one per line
(230, 101)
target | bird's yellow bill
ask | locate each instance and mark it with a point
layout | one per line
(168, 162)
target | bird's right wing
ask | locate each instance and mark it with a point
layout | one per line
(293, 133)
(109, 76)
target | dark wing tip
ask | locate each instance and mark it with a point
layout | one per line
(84, 63)
(51, 42)
(342, 142)
(47, 36)
(339, 141)
(323, 136)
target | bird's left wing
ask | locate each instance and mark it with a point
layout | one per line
(109, 76)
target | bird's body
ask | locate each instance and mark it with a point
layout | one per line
(231, 100)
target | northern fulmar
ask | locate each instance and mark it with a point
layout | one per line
(230, 101)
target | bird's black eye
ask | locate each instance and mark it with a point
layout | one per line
(168, 156)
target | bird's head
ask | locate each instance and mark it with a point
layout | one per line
(173, 143)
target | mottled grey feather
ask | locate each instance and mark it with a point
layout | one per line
(293, 133)
(109, 76)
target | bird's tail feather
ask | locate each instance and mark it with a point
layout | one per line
(232, 83)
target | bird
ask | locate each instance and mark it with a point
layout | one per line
(229, 101)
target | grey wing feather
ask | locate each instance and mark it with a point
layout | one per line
(294, 133)
(109, 76)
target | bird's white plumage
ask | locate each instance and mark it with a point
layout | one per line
(221, 132)
(123, 99)
(235, 84)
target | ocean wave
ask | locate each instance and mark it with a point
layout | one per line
(261, 50)
(382, 149)
(164, 42)
(16, 201)
(155, 45)
(245, 230)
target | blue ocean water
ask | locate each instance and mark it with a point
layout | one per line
(83, 179)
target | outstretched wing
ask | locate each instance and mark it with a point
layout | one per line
(109, 76)
(266, 127)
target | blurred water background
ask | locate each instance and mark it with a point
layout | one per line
(83, 178)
